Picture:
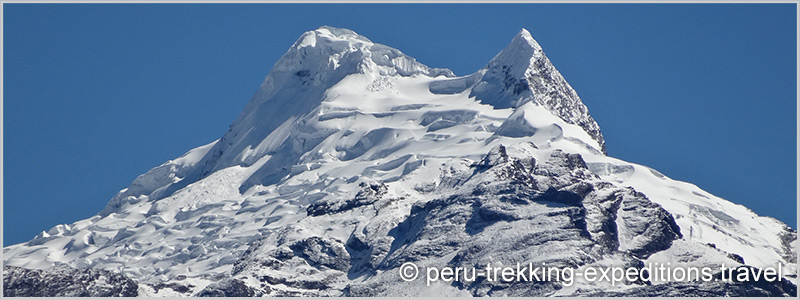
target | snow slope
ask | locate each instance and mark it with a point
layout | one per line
(346, 138)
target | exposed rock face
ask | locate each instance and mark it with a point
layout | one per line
(756, 288)
(227, 288)
(63, 281)
(504, 209)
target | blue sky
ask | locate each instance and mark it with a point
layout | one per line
(96, 94)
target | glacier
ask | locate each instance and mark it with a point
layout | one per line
(353, 158)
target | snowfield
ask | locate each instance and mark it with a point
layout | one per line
(353, 158)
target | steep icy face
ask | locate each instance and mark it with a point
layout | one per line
(370, 159)
(298, 82)
(522, 73)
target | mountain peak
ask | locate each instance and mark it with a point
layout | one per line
(523, 51)
(524, 37)
(297, 83)
(345, 167)
(326, 36)
(522, 73)
(327, 50)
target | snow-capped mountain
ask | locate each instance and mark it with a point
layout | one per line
(353, 158)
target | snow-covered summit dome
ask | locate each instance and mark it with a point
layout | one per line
(327, 50)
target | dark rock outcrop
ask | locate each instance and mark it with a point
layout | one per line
(63, 281)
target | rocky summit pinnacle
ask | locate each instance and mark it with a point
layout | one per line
(352, 160)
(522, 73)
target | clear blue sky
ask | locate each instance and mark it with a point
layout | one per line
(98, 94)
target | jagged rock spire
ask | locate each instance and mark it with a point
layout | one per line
(522, 73)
